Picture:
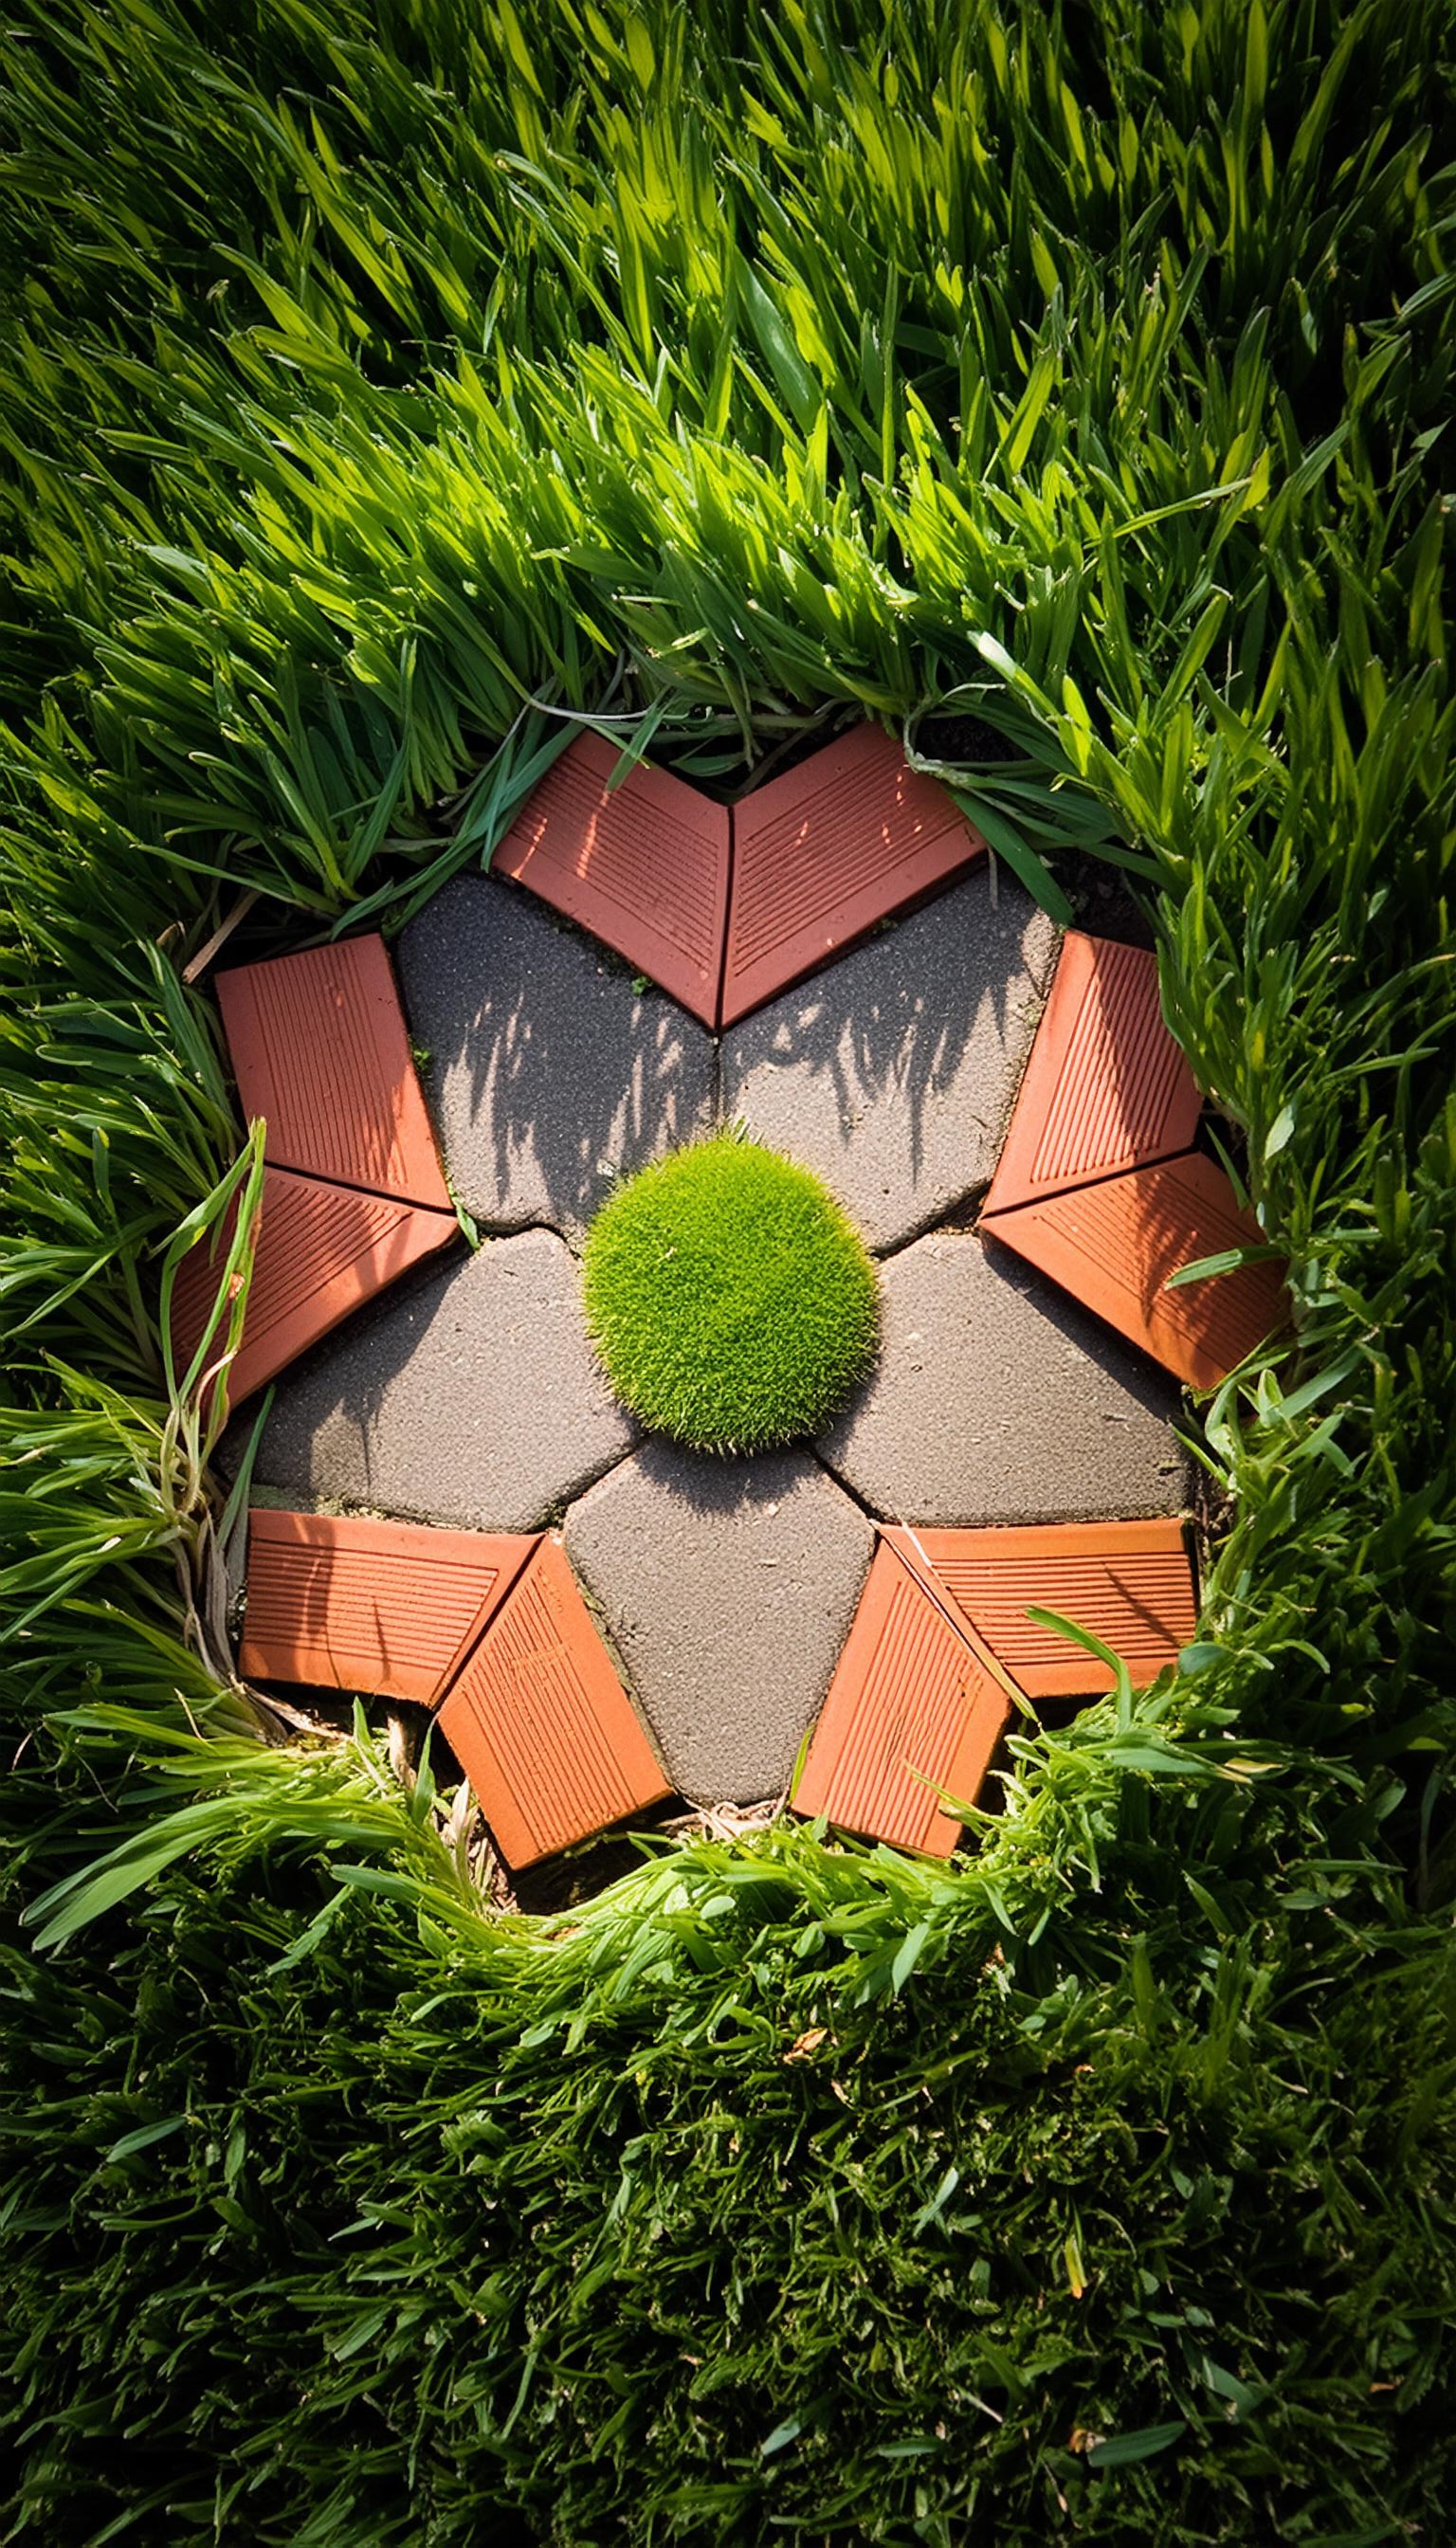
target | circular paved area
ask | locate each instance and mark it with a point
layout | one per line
(471, 1397)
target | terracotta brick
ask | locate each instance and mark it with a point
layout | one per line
(725, 910)
(822, 854)
(380, 1607)
(644, 866)
(541, 1725)
(1114, 1245)
(911, 1709)
(320, 1050)
(321, 1251)
(1130, 1582)
(1106, 1087)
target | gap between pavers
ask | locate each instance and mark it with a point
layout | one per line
(474, 1401)
(997, 1400)
(892, 1073)
(548, 1077)
(728, 1587)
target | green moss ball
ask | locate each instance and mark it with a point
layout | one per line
(732, 1304)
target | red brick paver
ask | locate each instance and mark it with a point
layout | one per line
(321, 1251)
(320, 1050)
(912, 1709)
(725, 908)
(382, 1607)
(1106, 1087)
(541, 1725)
(822, 854)
(1114, 1245)
(644, 866)
(1130, 1582)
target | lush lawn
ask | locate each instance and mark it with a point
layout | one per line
(379, 381)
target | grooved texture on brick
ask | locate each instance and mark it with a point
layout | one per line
(320, 1050)
(1106, 1087)
(722, 908)
(822, 854)
(1115, 1245)
(321, 1251)
(541, 1725)
(644, 866)
(911, 1711)
(1130, 1582)
(379, 1607)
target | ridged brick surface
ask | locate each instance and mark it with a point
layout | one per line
(1106, 1087)
(822, 854)
(320, 1050)
(1113, 1246)
(1130, 1582)
(540, 1724)
(321, 1251)
(381, 1606)
(644, 866)
(909, 1703)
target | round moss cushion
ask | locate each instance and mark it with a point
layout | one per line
(731, 1302)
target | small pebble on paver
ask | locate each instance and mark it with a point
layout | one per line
(996, 1399)
(548, 1077)
(474, 1401)
(728, 1587)
(892, 1073)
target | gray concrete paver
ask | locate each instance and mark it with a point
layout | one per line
(473, 1400)
(892, 1073)
(728, 1587)
(548, 1077)
(996, 1399)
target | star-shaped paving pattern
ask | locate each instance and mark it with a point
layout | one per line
(1012, 1449)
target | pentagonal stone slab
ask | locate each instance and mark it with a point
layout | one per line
(728, 1586)
(892, 1073)
(997, 1400)
(474, 1401)
(548, 1077)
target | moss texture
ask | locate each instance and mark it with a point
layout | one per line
(732, 1301)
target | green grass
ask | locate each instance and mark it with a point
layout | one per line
(731, 1301)
(395, 379)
